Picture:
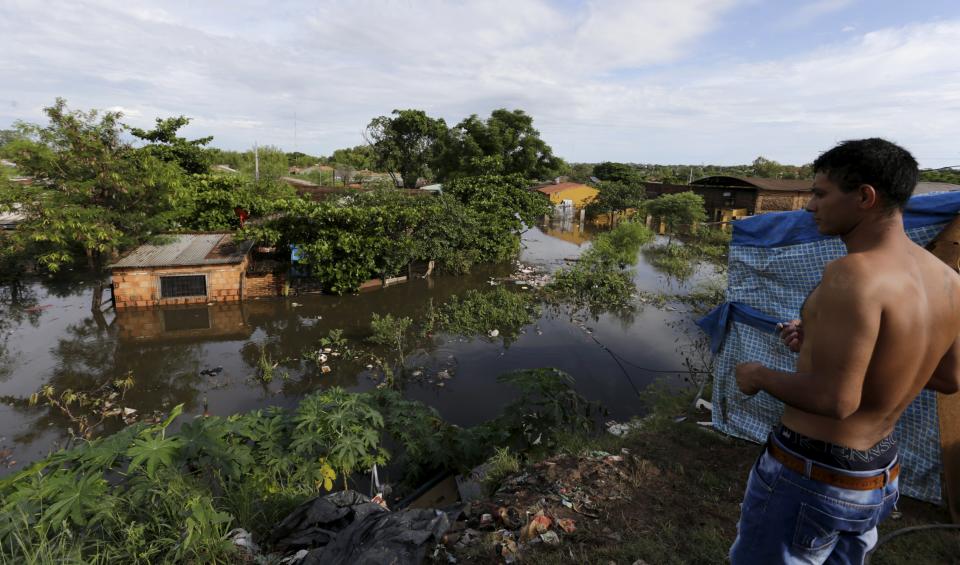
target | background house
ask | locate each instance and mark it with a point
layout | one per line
(579, 194)
(729, 197)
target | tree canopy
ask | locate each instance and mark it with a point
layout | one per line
(508, 137)
(191, 155)
(408, 143)
(678, 210)
(92, 193)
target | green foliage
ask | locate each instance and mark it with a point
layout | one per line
(951, 176)
(501, 465)
(392, 333)
(407, 142)
(359, 157)
(93, 192)
(167, 146)
(341, 427)
(598, 280)
(208, 202)
(547, 407)
(680, 210)
(348, 241)
(620, 173)
(506, 143)
(479, 312)
(300, 159)
(616, 196)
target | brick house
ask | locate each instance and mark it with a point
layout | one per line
(727, 197)
(190, 269)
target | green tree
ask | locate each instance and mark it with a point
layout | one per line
(93, 193)
(508, 136)
(616, 197)
(408, 142)
(191, 155)
(360, 157)
(683, 209)
(272, 163)
(300, 159)
(618, 172)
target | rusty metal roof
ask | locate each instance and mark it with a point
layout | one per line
(186, 250)
(783, 185)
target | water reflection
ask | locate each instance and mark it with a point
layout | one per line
(51, 336)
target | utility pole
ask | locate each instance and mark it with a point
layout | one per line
(294, 131)
(256, 163)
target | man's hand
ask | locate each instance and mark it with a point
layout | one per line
(791, 334)
(747, 380)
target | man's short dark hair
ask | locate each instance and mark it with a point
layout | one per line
(885, 166)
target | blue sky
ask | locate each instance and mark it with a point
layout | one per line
(665, 81)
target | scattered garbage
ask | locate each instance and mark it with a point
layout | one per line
(621, 429)
(244, 540)
(325, 369)
(211, 372)
(494, 333)
(550, 538)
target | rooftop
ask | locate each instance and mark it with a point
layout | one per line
(554, 188)
(187, 250)
(786, 185)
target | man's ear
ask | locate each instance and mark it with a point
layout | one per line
(868, 197)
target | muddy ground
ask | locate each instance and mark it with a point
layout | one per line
(668, 492)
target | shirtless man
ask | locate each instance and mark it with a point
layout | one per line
(882, 325)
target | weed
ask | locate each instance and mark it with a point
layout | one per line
(501, 465)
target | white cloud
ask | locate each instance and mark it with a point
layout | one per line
(596, 77)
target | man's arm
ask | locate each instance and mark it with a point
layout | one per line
(946, 377)
(846, 327)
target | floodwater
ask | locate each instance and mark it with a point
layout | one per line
(48, 335)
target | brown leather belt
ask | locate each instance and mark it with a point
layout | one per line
(833, 478)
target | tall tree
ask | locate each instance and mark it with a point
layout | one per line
(509, 137)
(92, 194)
(408, 142)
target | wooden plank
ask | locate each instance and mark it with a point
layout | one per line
(946, 247)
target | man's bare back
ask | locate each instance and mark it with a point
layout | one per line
(883, 324)
(894, 311)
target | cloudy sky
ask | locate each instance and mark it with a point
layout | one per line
(665, 81)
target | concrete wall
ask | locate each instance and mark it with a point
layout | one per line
(133, 287)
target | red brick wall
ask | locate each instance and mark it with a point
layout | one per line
(140, 287)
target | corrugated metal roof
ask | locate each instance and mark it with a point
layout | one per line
(187, 249)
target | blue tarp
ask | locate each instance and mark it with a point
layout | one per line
(776, 260)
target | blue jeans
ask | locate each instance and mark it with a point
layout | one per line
(788, 518)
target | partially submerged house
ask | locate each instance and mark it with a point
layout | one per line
(576, 194)
(188, 269)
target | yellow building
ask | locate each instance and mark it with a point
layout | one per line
(579, 194)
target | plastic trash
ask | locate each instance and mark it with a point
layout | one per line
(348, 527)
